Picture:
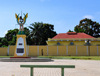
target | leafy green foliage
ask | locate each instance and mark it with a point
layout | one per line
(40, 32)
(37, 35)
(28, 37)
(70, 30)
(3, 42)
(89, 27)
(11, 36)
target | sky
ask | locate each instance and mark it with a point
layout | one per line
(63, 14)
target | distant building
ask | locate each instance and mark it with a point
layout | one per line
(73, 38)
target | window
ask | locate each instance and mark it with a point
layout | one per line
(71, 43)
(88, 42)
(58, 43)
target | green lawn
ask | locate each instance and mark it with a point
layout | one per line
(65, 57)
(73, 57)
(5, 56)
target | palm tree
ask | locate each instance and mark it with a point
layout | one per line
(40, 32)
(36, 32)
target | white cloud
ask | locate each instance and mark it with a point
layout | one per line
(88, 16)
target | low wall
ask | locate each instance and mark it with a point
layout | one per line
(11, 50)
(3, 51)
(55, 51)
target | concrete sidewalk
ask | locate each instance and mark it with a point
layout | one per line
(82, 68)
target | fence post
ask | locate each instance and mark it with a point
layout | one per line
(57, 50)
(38, 50)
(87, 50)
(47, 50)
(8, 51)
(28, 51)
(97, 51)
(67, 49)
(76, 50)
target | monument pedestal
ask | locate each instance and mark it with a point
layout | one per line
(21, 47)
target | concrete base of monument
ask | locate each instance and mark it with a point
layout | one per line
(21, 46)
(23, 59)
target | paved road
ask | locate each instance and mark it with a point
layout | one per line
(83, 68)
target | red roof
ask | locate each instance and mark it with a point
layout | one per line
(71, 35)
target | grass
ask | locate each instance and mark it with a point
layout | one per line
(65, 57)
(5, 56)
(73, 57)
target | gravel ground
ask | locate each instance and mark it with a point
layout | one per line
(82, 68)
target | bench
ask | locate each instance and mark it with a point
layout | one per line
(47, 66)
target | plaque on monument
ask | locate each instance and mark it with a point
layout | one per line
(20, 50)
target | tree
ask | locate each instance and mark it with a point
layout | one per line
(4, 42)
(89, 27)
(40, 32)
(70, 30)
(12, 35)
(28, 37)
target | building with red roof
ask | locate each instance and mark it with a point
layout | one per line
(71, 35)
(73, 38)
